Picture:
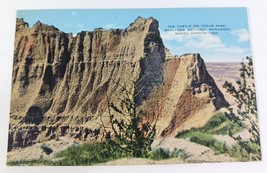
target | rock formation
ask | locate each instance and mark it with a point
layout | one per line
(187, 97)
(61, 83)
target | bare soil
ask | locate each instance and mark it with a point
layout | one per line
(35, 152)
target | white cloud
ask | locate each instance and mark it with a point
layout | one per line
(232, 50)
(205, 41)
(110, 26)
(195, 38)
(80, 25)
(169, 35)
(242, 35)
(202, 42)
(211, 57)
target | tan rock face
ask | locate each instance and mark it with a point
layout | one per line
(60, 83)
(187, 98)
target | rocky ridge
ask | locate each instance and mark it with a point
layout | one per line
(61, 83)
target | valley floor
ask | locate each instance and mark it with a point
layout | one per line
(196, 153)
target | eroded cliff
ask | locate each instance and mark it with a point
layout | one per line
(61, 83)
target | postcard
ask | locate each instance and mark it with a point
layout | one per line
(132, 87)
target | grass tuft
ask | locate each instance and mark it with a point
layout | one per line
(163, 154)
(218, 124)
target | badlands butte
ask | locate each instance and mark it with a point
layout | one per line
(62, 84)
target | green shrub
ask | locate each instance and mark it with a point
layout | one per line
(185, 133)
(218, 124)
(130, 131)
(246, 113)
(230, 128)
(246, 151)
(221, 124)
(46, 149)
(160, 154)
(208, 141)
(201, 138)
(179, 153)
(91, 154)
(215, 121)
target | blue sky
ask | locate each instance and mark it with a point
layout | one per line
(230, 45)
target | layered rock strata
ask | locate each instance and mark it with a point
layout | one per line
(61, 84)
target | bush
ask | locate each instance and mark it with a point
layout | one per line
(162, 154)
(215, 121)
(179, 153)
(131, 133)
(221, 124)
(46, 149)
(185, 133)
(246, 151)
(230, 128)
(246, 113)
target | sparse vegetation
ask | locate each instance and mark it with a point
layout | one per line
(95, 153)
(131, 133)
(245, 151)
(206, 140)
(34, 162)
(162, 153)
(209, 141)
(233, 121)
(246, 114)
(218, 124)
(89, 154)
(80, 155)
